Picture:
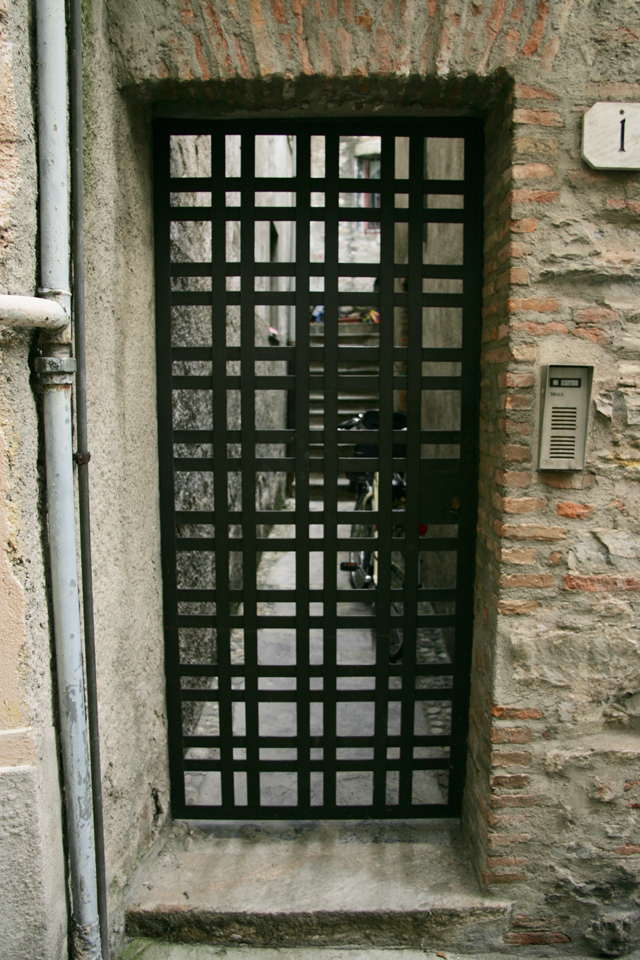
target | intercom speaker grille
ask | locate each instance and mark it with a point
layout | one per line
(562, 448)
(564, 418)
(562, 444)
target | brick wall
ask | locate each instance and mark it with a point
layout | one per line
(553, 720)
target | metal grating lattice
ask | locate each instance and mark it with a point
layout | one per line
(282, 698)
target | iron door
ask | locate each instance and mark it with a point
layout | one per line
(282, 698)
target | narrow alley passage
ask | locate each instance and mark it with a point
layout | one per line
(276, 647)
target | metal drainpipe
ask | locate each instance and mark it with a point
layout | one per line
(83, 456)
(56, 369)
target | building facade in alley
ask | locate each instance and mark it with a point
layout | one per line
(551, 794)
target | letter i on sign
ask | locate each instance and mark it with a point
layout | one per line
(611, 136)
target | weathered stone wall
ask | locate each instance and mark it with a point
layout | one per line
(553, 776)
(555, 746)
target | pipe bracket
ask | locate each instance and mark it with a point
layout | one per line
(55, 371)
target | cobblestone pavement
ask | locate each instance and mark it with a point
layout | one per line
(355, 646)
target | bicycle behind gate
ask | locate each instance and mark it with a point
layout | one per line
(362, 564)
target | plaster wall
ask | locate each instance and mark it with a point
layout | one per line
(33, 919)
(554, 746)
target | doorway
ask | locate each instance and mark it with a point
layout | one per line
(318, 291)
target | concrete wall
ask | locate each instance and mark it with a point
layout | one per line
(551, 806)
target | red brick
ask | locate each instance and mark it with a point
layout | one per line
(530, 937)
(514, 581)
(513, 477)
(514, 781)
(575, 511)
(511, 42)
(539, 329)
(532, 531)
(526, 555)
(506, 758)
(522, 504)
(515, 427)
(510, 735)
(490, 878)
(525, 225)
(594, 334)
(542, 118)
(490, 267)
(524, 92)
(600, 582)
(496, 355)
(516, 800)
(507, 839)
(572, 481)
(519, 275)
(514, 250)
(523, 353)
(513, 453)
(528, 195)
(548, 305)
(519, 607)
(517, 401)
(531, 171)
(616, 204)
(516, 380)
(505, 821)
(516, 713)
(596, 314)
(627, 850)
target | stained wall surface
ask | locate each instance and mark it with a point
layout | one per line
(554, 762)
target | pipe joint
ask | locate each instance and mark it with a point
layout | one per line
(55, 371)
(63, 297)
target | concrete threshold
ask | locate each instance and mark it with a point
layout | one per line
(394, 885)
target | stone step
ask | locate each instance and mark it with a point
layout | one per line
(157, 950)
(357, 884)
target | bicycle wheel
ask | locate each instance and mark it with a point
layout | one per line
(362, 574)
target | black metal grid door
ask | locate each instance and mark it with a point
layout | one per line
(354, 734)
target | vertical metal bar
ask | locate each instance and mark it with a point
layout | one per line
(220, 460)
(472, 292)
(303, 214)
(161, 152)
(248, 483)
(385, 466)
(330, 406)
(412, 510)
(82, 454)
